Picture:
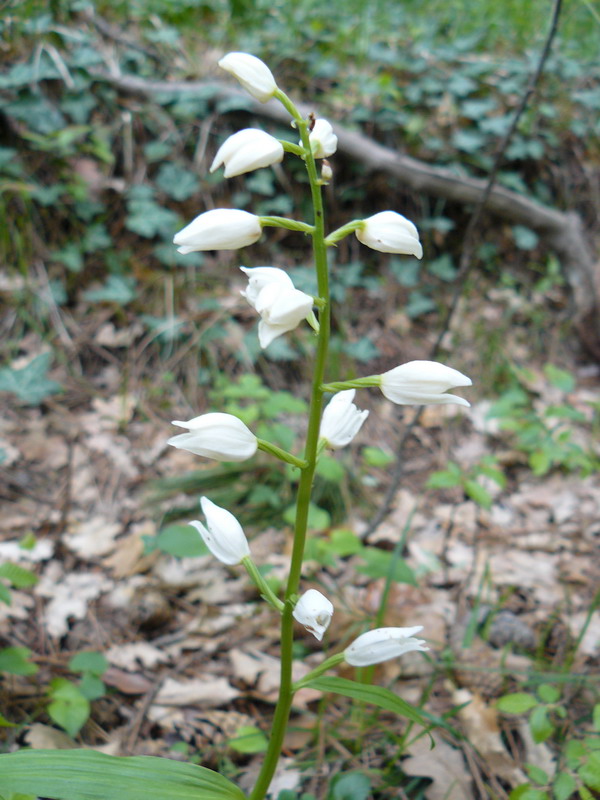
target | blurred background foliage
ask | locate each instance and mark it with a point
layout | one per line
(94, 181)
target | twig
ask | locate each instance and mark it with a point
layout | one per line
(466, 265)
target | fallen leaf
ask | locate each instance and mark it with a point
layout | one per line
(445, 766)
(208, 692)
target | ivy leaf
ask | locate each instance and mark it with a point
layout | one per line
(14, 660)
(30, 383)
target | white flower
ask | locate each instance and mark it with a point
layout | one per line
(423, 383)
(220, 436)
(390, 232)
(381, 644)
(254, 75)
(342, 420)
(314, 611)
(281, 306)
(219, 229)
(323, 140)
(246, 150)
(223, 535)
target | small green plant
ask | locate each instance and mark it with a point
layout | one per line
(469, 480)
(578, 767)
(547, 432)
(69, 705)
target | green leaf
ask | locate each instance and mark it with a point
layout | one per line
(548, 693)
(525, 238)
(330, 469)
(88, 775)
(585, 794)
(478, 493)
(366, 693)
(69, 708)
(30, 383)
(117, 289)
(540, 463)
(352, 786)
(93, 662)
(445, 478)
(17, 576)
(318, 518)
(564, 786)
(4, 723)
(177, 181)
(376, 457)
(91, 687)
(344, 542)
(527, 792)
(249, 739)
(589, 772)
(596, 717)
(14, 660)
(378, 564)
(560, 378)
(540, 725)
(5, 595)
(181, 541)
(537, 774)
(516, 703)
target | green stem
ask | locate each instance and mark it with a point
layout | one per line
(357, 383)
(264, 588)
(286, 687)
(283, 455)
(328, 664)
(284, 222)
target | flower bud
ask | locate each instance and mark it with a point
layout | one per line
(423, 383)
(314, 611)
(254, 75)
(219, 229)
(216, 435)
(323, 140)
(281, 306)
(342, 420)
(390, 232)
(326, 172)
(247, 150)
(223, 535)
(382, 644)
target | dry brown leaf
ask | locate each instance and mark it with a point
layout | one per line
(69, 595)
(128, 557)
(204, 692)
(445, 766)
(126, 682)
(130, 656)
(44, 737)
(92, 537)
(480, 724)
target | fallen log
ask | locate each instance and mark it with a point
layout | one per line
(561, 231)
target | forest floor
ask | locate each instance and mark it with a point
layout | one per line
(504, 592)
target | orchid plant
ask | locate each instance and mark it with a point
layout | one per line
(281, 308)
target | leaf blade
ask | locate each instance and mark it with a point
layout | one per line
(89, 775)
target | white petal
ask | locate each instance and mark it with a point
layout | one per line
(259, 277)
(382, 644)
(314, 611)
(423, 383)
(390, 232)
(219, 229)
(252, 73)
(342, 420)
